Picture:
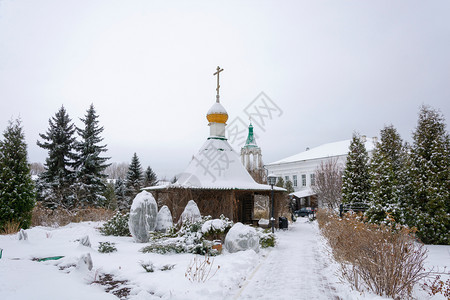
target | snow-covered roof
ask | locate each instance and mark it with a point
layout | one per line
(303, 193)
(323, 151)
(216, 166)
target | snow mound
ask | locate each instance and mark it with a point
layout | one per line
(241, 237)
(191, 213)
(212, 225)
(143, 216)
(163, 219)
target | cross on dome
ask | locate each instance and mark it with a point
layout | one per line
(218, 70)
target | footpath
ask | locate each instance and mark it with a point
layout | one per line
(298, 268)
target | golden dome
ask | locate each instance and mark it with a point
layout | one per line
(217, 114)
(217, 118)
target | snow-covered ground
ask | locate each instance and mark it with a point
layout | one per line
(297, 268)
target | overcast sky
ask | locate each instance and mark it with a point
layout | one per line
(327, 69)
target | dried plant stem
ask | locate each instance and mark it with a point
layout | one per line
(200, 270)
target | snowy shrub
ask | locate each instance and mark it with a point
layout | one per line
(216, 229)
(241, 237)
(164, 219)
(191, 213)
(165, 248)
(266, 238)
(167, 267)
(189, 239)
(106, 247)
(385, 260)
(117, 226)
(143, 216)
(148, 266)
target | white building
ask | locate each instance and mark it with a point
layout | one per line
(300, 168)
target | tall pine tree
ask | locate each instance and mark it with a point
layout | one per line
(430, 161)
(55, 183)
(150, 178)
(17, 193)
(388, 179)
(133, 182)
(355, 181)
(89, 165)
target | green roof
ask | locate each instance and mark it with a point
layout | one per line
(251, 142)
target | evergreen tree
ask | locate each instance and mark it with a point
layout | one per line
(133, 181)
(289, 187)
(55, 183)
(110, 196)
(150, 178)
(17, 193)
(388, 179)
(430, 160)
(120, 192)
(355, 182)
(280, 182)
(90, 167)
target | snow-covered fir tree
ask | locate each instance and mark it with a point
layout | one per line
(120, 193)
(55, 183)
(389, 191)
(430, 161)
(17, 194)
(133, 182)
(355, 181)
(89, 165)
(150, 178)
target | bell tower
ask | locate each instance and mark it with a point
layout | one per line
(251, 157)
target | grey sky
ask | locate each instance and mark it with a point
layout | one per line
(332, 67)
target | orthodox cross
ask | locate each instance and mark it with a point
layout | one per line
(218, 86)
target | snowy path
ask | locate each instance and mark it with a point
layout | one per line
(296, 269)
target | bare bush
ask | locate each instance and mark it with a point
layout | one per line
(10, 227)
(384, 259)
(328, 183)
(42, 216)
(201, 270)
(36, 168)
(117, 170)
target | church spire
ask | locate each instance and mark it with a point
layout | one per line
(251, 141)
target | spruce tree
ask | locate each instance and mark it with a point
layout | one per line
(120, 192)
(355, 181)
(150, 178)
(388, 179)
(430, 160)
(289, 187)
(55, 183)
(17, 195)
(133, 182)
(280, 182)
(89, 165)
